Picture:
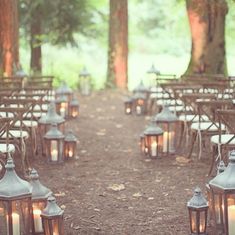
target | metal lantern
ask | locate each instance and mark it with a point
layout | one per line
(52, 218)
(128, 103)
(153, 140)
(153, 72)
(198, 208)
(142, 143)
(70, 145)
(54, 141)
(223, 198)
(140, 103)
(74, 108)
(64, 90)
(39, 198)
(85, 82)
(45, 122)
(15, 203)
(220, 169)
(62, 105)
(168, 122)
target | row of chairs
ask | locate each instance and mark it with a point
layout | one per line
(21, 106)
(205, 108)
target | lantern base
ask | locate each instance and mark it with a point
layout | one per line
(198, 234)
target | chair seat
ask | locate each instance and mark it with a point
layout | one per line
(4, 114)
(192, 117)
(16, 134)
(3, 148)
(206, 126)
(27, 123)
(224, 139)
(35, 114)
(177, 108)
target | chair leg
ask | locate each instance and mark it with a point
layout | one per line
(213, 163)
(194, 136)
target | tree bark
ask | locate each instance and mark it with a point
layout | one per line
(35, 42)
(9, 36)
(207, 24)
(117, 74)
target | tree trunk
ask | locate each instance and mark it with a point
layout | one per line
(117, 74)
(35, 42)
(9, 36)
(207, 24)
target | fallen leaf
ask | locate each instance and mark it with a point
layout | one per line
(59, 194)
(117, 187)
(119, 125)
(137, 195)
(182, 160)
(150, 198)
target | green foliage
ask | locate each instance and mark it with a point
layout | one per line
(60, 19)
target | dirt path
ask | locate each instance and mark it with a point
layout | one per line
(111, 188)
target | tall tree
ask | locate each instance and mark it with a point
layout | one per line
(207, 24)
(117, 74)
(9, 36)
(54, 22)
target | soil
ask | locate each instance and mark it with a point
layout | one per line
(111, 188)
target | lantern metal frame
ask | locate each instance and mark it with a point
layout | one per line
(62, 106)
(198, 211)
(223, 198)
(15, 203)
(70, 145)
(85, 82)
(64, 90)
(74, 108)
(128, 105)
(40, 193)
(153, 140)
(168, 122)
(140, 103)
(52, 218)
(54, 141)
(45, 122)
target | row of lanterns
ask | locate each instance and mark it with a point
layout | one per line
(66, 103)
(221, 202)
(55, 145)
(27, 208)
(159, 136)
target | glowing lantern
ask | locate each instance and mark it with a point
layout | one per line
(70, 145)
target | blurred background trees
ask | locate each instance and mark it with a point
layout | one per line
(59, 37)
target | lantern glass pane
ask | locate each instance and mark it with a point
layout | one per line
(202, 225)
(3, 216)
(218, 208)
(54, 150)
(74, 112)
(46, 226)
(37, 209)
(55, 226)
(153, 146)
(231, 214)
(194, 221)
(69, 149)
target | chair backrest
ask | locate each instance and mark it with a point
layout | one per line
(227, 118)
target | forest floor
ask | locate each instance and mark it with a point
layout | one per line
(110, 188)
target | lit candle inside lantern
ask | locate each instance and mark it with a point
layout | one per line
(74, 113)
(70, 153)
(1, 211)
(138, 109)
(15, 224)
(154, 149)
(54, 155)
(37, 220)
(62, 111)
(231, 219)
(54, 151)
(128, 110)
